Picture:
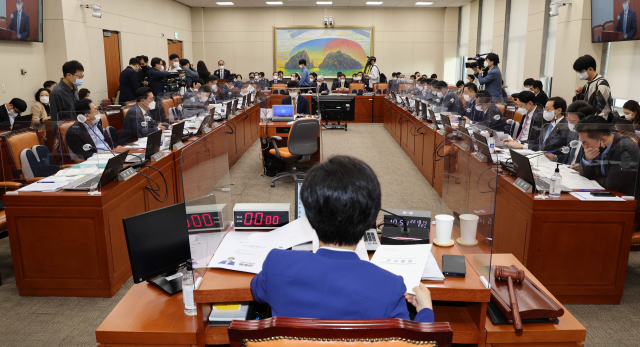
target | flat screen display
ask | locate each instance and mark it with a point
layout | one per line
(21, 20)
(614, 20)
(282, 110)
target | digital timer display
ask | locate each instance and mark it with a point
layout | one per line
(414, 219)
(203, 221)
(260, 219)
(411, 222)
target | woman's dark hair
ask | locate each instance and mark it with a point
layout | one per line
(584, 63)
(341, 198)
(633, 106)
(581, 109)
(202, 69)
(82, 93)
(40, 91)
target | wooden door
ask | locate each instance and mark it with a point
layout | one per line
(174, 47)
(112, 62)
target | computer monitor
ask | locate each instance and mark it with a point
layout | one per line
(445, 119)
(522, 167)
(153, 144)
(158, 243)
(433, 118)
(299, 207)
(176, 134)
(282, 111)
(480, 138)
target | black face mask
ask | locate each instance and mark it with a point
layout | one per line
(600, 148)
(145, 68)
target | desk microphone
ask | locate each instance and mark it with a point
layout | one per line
(82, 119)
(86, 147)
(563, 149)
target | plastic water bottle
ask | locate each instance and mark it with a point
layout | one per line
(492, 143)
(187, 291)
(556, 184)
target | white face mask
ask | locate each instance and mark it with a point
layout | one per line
(523, 111)
(486, 63)
(625, 6)
(583, 76)
(356, 78)
(221, 67)
(440, 94)
(293, 94)
(152, 105)
(300, 66)
(479, 108)
(548, 115)
(572, 127)
(19, 7)
(161, 68)
(275, 78)
(627, 116)
(44, 99)
(214, 88)
(341, 81)
(434, 92)
(311, 79)
(467, 98)
(12, 113)
(176, 64)
(203, 98)
(526, 89)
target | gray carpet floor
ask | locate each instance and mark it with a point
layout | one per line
(52, 321)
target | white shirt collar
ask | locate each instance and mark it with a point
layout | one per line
(337, 249)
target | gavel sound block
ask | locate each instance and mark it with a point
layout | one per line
(511, 275)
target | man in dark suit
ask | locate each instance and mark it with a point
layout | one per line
(129, 82)
(340, 215)
(222, 73)
(20, 21)
(228, 90)
(487, 112)
(609, 158)
(9, 112)
(340, 83)
(301, 102)
(541, 96)
(157, 75)
(532, 122)
(88, 132)
(627, 21)
(212, 82)
(143, 72)
(276, 79)
(554, 135)
(318, 85)
(138, 121)
(576, 111)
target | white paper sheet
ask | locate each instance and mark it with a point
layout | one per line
(203, 246)
(294, 233)
(432, 271)
(43, 187)
(586, 196)
(408, 261)
(237, 252)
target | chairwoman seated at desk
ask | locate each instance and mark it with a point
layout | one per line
(301, 102)
(138, 121)
(342, 198)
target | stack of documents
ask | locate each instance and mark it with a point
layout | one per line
(586, 196)
(432, 270)
(50, 184)
(407, 261)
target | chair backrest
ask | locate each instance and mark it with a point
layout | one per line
(105, 120)
(381, 88)
(177, 100)
(63, 132)
(502, 108)
(125, 110)
(356, 88)
(129, 103)
(105, 103)
(303, 139)
(167, 104)
(285, 331)
(597, 32)
(517, 117)
(16, 142)
(609, 26)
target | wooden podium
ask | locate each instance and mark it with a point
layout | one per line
(608, 36)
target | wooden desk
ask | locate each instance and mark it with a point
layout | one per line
(242, 132)
(578, 249)
(568, 332)
(368, 108)
(282, 129)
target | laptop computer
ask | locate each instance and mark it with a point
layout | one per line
(483, 149)
(153, 146)
(206, 123)
(445, 119)
(176, 134)
(480, 138)
(91, 182)
(522, 167)
(283, 113)
(433, 118)
(466, 137)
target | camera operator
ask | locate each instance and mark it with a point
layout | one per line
(157, 76)
(374, 73)
(491, 77)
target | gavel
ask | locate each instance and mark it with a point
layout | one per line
(510, 275)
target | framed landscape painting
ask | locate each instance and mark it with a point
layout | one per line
(326, 49)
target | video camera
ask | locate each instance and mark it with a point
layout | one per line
(174, 82)
(477, 61)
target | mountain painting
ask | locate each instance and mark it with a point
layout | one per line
(326, 50)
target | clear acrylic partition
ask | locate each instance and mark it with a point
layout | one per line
(206, 185)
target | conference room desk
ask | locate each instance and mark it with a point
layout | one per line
(242, 132)
(578, 249)
(282, 129)
(368, 108)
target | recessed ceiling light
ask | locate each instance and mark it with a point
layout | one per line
(274, 2)
(424, 3)
(324, 2)
(225, 3)
(374, 3)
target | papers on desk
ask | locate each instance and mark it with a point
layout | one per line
(203, 246)
(46, 187)
(408, 261)
(83, 170)
(586, 196)
(571, 179)
(237, 252)
(432, 271)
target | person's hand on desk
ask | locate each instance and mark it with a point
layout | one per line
(575, 167)
(591, 153)
(422, 298)
(551, 156)
(512, 144)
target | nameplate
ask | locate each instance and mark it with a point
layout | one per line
(214, 125)
(523, 185)
(463, 146)
(441, 132)
(481, 157)
(126, 174)
(178, 146)
(432, 126)
(174, 276)
(157, 156)
(11, 192)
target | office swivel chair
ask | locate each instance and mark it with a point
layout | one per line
(303, 142)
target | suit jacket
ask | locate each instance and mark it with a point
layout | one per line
(226, 75)
(78, 135)
(156, 81)
(336, 84)
(566, 158)
(189, 76)
(39, 115)
(556, 139)
(492, 82)
(487, 118)
(322, 88)
(226, 93)
(340, 286)
(4, 117)
(632, 23)
(470, 111)
(132, 129)
(541, 98)
(537, 122)
(24, 24)
(451, 102)
(302, 106)
(616, 177)
(129, 83)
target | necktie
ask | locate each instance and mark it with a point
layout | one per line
(523, 126)
(624, 26)
(548, 132)
(18, 28)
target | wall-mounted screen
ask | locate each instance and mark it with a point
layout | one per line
(614, 20)
(21, 20)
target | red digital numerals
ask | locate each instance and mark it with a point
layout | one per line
(260, 219)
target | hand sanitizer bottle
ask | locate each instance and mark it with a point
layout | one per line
(187, 291)
(556, 184)
(492, 143)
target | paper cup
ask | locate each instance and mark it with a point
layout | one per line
(468, 228)
(444, 226)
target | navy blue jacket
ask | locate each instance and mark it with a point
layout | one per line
(24, 24)
(556, 139)
(632, 23)
(156, 80)
(132, 129)
(302, 106)
(330, 285)
(492, 82)
(129, 83)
